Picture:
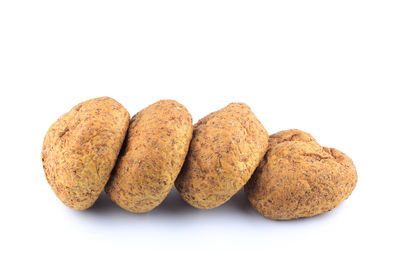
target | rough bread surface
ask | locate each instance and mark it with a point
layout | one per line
(152, 156)
(299, 178)
(226, 148)
(80, 150)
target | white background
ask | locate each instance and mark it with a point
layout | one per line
(331, 68)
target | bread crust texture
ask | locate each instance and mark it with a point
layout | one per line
(300, 178)
(80, 150)
(226, 148)
(152, 156)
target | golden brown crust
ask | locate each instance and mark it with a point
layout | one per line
(289, 135)
(156, 146)
(226, 148)
(299, 178)
(81, 148)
